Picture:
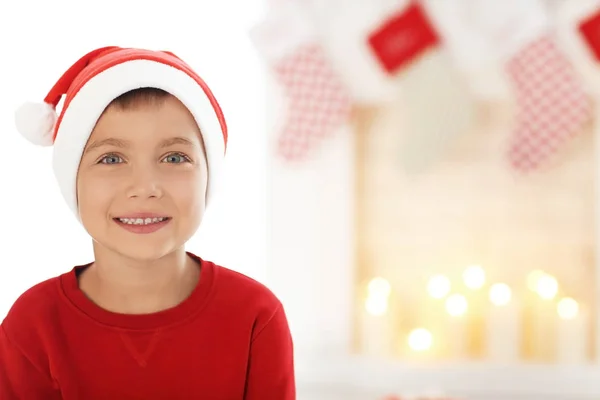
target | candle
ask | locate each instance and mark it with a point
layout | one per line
(377, 330)
(474, 279)
(427, 313)
(456, 327)
(572, 332)
(376, 325)
(503, 325)
(540, 321)
(456, 337)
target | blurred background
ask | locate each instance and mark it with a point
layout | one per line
(416, 180)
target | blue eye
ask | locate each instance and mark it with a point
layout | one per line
(176, 158)
(111, 159)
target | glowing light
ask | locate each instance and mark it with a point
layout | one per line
(379, 287)
(500, 294)
(376, 305)
(456, 305)
(567, 308)
(420, 339)
(474, 277)
(438, 286)
(533, 279)
(547, 287)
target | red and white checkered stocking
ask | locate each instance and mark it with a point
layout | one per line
(318, 101)
(552, 105)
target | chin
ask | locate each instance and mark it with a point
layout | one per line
(146, 252)
(139, 250)
(144, 247)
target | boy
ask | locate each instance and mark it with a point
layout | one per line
(137, 149)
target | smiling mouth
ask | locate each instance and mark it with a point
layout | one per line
(142, 221)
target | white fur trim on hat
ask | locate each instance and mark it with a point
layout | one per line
(35, 121)
(87, 105)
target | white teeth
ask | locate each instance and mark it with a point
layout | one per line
(141, 221)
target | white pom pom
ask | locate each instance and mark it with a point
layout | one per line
(35, 121)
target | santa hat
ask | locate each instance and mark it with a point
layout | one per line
(92, 83)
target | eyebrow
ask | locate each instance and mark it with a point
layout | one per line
(124, 143)
(107, 142)
(176, 140)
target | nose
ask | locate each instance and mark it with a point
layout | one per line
(144, 183)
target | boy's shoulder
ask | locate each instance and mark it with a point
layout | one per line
(249, 300)
(35, 305)
(237, 288)
(39, 296)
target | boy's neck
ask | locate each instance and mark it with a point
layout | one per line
(126, 286)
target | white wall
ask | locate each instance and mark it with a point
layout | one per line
(310, 242)
(41, 39)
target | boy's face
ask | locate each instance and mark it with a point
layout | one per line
(142, 165)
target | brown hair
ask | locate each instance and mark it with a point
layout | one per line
(137, 97)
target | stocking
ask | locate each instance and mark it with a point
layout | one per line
(343, 26)
(470, 51)
(317, 101)
(551, 103)
(437, 105)
(577, 25)
(588, 26)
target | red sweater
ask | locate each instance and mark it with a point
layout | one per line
(229, 340)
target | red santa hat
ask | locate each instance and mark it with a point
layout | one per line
(92, 83)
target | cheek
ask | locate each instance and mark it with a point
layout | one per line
(188, 192)
(94, 194)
